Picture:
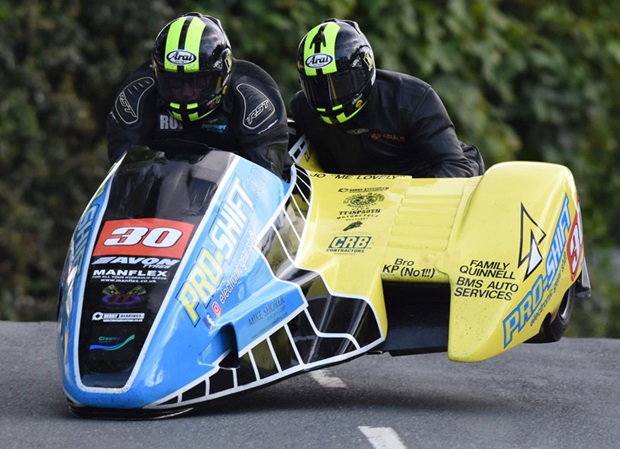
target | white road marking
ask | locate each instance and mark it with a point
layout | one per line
(323, 377)
(382, 437)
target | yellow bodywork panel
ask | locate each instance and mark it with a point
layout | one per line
(509, 244)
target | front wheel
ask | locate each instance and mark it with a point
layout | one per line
(552, 331)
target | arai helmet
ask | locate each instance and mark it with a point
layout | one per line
(192, 61)
(336, 69)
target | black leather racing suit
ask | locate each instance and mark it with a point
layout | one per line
(250, 121)
(403, 129)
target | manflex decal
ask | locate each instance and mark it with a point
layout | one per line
(154, 237)
(122, 276)
(530, 307)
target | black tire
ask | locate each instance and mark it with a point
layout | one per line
(552, 331)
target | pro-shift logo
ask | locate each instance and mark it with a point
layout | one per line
(144, 237)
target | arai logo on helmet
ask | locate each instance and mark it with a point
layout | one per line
(319, 60)
(181, 57)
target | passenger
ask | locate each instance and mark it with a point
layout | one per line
(362, 120)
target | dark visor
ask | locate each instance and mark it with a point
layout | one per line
(187, 88)
(328, 91)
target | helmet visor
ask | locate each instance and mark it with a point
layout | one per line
(184, 88)
(329, 91)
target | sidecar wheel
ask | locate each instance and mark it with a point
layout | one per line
(552, 331)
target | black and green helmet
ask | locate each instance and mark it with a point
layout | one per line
(336, 69)
(192, 61)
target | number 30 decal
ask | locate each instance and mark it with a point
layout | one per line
(154, 238)
(144, 237)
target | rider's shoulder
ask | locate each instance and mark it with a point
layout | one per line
(133, 94)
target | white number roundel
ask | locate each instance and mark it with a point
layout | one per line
(135, 235)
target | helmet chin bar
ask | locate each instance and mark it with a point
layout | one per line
(342, 113)
(340, 117)
(194, 112)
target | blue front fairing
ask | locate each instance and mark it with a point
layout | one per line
(149, 325)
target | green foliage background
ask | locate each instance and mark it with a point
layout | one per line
(522, 79)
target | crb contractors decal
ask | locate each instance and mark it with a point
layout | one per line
(349, 244)
(154, 237)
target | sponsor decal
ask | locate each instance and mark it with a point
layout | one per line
(218, 128)
(349, 244)
(239, 269)
(479, 288)
(529, 309)
(181, 57)
(388, 136)
(531, 238)
(359, 214)
(361, 204)
(365, 189)
(224, 236)
(130, 276)
(407, 268)
(318, 60)
(106, 343)
(575, 245)
(115, 298)
(488, 269)
(363, 200)
(266, 315)
(143, 237)
(354, 225)
(145, 262)
(118, 317)
(489, 279)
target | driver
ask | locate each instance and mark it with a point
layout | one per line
(362, 120)
(193, 89)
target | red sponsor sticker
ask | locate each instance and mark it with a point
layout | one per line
(144, 237)
(575, 246)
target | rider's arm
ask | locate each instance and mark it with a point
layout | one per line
(262, 121)
(434, 136)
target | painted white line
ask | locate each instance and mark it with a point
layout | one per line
(382, 437)
(323, 377)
